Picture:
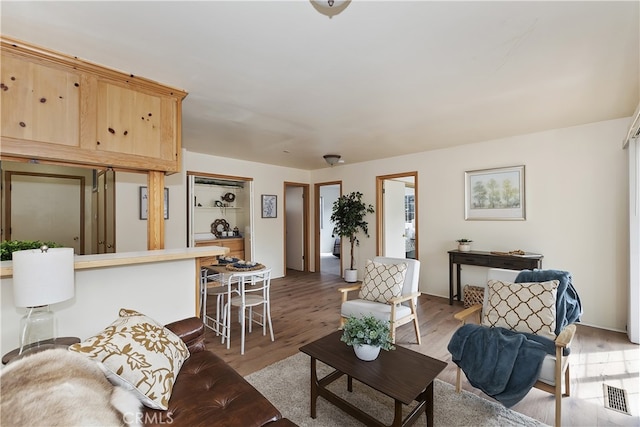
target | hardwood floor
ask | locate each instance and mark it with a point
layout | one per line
(305, 307)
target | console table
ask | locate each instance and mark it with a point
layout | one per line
(528, 261)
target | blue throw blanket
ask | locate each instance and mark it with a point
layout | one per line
(568, 305)
(505, 364)
(502, 363)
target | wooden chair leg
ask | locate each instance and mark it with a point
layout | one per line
(558, 421)
(558, 387)
(342, 320)
(458, 380)
(567, 382)
(393, 332)
(416, 325)
(392, 323)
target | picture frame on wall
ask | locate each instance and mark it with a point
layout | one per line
(144, 203)
(269, 206)
(495, 194)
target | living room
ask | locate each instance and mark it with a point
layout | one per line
(577, 202)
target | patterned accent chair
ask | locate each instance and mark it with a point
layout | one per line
(555, 367)
(388, 292)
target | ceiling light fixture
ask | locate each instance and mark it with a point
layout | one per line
(330, 8)
(332, 159)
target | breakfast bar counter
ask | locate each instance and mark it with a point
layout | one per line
(128, 258)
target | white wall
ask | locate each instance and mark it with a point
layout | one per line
(576, 208)
(268, 237)
(131, 231)
(633, 318)
(158, 290)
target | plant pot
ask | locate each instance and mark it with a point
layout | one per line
(366, 352)
(350, 276)
(464, 247)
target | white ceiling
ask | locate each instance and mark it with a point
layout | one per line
(277, 82)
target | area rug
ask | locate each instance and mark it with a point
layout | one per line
(286, 385)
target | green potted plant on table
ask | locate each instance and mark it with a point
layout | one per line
(367, 335)
(348, 220)
(464, 245)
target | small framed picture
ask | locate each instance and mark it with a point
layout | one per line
(144, 203)
(495, 194)
(269, 206)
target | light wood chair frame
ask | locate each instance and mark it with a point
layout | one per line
(394, 303)
(562, 341)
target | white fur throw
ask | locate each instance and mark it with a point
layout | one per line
(60, 388)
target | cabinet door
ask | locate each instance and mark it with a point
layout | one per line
(234, 245)
(39, 103)
(134, 122)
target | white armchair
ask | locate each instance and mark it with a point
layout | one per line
(554, 373)
(399, 311)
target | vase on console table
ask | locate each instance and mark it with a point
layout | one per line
(464, 245)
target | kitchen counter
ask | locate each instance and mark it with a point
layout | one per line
(82, 262)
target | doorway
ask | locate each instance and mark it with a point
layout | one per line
(104, 200)
(397, 215)
(296, 226)
(33, 213)
(220, 212)
(327, 247)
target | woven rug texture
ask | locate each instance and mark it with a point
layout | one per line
(286, 385)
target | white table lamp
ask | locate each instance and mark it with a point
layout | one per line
(41, 277)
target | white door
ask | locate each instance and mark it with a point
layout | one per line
(394, 220)
(47, 208)
(295, 227)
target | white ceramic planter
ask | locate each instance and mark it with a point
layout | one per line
(366, 352)
(350, 276)
(464, 248)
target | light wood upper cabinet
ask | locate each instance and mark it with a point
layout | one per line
(60, 108)
(133, 122)
(39, 103)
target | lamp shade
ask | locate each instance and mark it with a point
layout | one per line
(42, 277)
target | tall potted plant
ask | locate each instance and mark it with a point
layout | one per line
(348, 220)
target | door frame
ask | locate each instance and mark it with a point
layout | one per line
(316, 219)
(305, 226)
(189, 205)
(81, 183)
(379, 213)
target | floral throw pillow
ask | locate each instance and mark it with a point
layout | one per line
(382, 282)
(139, 354)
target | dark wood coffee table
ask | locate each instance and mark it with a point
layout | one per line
(402, 374)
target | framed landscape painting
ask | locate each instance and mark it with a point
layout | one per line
(495, 194)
